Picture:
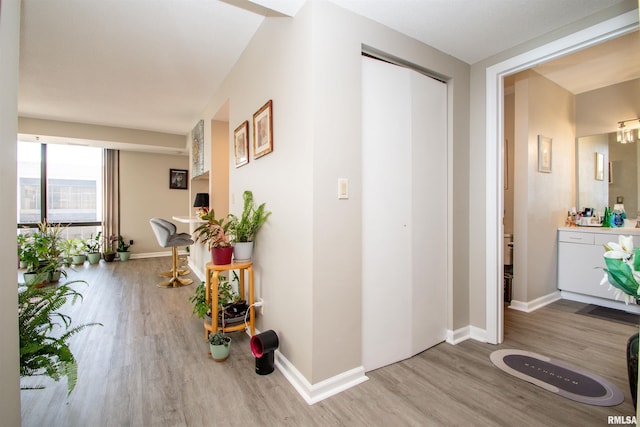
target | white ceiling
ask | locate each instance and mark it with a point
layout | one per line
(154, 65)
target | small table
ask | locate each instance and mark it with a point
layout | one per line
(211, 296)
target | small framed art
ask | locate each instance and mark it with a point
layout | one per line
(544, 154)
(241, 144)
(263, 130)
(178, 179)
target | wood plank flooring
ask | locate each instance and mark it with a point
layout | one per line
(148, 366)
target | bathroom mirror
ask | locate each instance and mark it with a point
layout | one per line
(619, 179)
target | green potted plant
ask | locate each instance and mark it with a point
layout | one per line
(93, 248)
(243, 229)
(39, 255)
(226, 296)
(220, 345)
(44, 348)
(77, 251)
(66, 247)
(108, 253)
(22, 239)
(123, 249)
(213, 233)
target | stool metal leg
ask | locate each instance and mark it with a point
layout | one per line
(175, 281)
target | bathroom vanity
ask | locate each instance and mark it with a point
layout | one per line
(580, 251)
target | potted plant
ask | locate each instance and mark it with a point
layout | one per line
(213, 233)
(220, 345)
(244, 229)
(22, 240)
(108, 253)
(44, 350)
(123, 249)
(66, 247)
(35, 252)
(226, 297)
(93, 248)
(77, 252)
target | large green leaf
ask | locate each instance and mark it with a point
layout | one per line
(621, 276)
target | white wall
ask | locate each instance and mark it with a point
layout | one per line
(145, 193)
(541, 199)
(9, 360)
(308, 261)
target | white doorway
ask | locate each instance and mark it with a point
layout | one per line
(606, 30)
(405, 212)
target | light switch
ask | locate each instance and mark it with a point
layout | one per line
(343, 188)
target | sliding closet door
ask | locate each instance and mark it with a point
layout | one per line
(404, 213)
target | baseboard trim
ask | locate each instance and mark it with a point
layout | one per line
(618, 305)
(314, 393)
(537, 303)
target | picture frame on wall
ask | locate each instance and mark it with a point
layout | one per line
(263, 130)
(599, 166)
(544, 154)
(178, 179)
(241, 144)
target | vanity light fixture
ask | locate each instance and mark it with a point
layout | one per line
(626, 135)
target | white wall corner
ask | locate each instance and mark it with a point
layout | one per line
(537, 303)
(314, 393)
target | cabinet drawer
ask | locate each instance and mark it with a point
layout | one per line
(576, 237)
(603, 239)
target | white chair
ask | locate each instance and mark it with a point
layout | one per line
(167, 236)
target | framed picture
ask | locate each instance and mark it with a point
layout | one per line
(241, 144)
(599, 167)
(263, 130)
(544, 154)
(197, 149)
(178, 179)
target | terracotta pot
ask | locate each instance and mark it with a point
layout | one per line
(221, 256)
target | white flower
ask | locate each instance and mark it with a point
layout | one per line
(621, 250)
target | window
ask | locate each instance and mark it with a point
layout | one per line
(59, 183)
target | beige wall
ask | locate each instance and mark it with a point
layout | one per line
(9, 360)
(541, 199)
(107, 136)
(599, 111)
(308, 260)
(145, 194)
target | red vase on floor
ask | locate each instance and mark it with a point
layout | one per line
(221, 256)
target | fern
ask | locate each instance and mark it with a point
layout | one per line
(42, 352)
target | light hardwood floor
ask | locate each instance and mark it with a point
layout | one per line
(148, 366)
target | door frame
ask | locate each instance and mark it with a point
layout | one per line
(606, 30)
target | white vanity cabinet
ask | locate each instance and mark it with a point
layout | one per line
(580, 252)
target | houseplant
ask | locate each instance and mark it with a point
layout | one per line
(220, 345)
(213, 233)
(226, 297)
(93, 248)
(108, 253)
(41, 254)
(77, 252)
(44, 349)
(22, 239)
(244, 229)
(622, 273)
(123, 249)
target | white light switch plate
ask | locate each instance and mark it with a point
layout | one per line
(343, 188)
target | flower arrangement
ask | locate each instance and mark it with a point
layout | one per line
(622, 271)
